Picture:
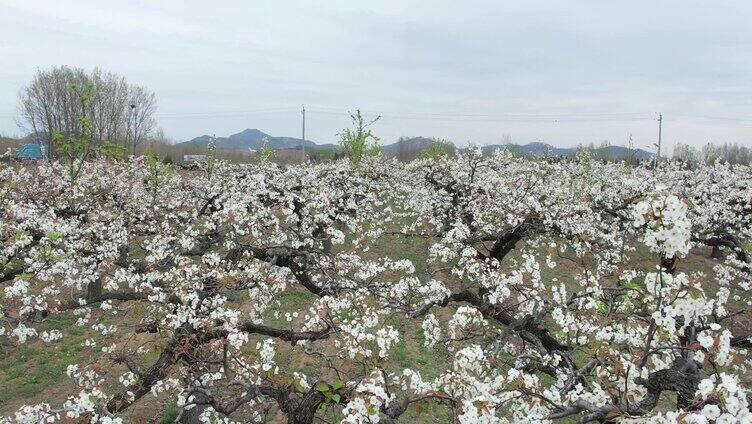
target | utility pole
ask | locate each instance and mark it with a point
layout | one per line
(303, 142)
(631, 150)
(133, 112)
(660, 128)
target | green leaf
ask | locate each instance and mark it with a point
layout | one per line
(336, 398)
(322, 387)
(600, 306)
(111, 150)
(631, 284)
(337, 384)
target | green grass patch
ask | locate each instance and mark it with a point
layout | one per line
(170, 413)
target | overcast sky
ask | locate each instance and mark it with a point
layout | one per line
(563, 72)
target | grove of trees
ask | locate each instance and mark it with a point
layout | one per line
(732, 153)
(118, 111)
(548, 292)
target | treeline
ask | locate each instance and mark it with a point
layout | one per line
(731, 153)
(411, 148)
(116, 110)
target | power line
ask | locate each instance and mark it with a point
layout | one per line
(519, 117)
(424, 116)
(491, 118)
(494, 115)
(224, 113)
(716, 118)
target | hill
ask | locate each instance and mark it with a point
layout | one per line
(542, 149)
(253, 139)
(250, 139)
(407, 144)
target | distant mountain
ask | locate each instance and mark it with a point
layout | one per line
(254, 139)
(543, 149)
(408, 144)
(620, 152)
(250, 139)
(413, 144)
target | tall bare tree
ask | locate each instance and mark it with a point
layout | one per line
(140, 122)
(118, 111)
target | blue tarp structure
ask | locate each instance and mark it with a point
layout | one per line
(30, 151)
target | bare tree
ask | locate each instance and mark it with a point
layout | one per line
(727, 152)
(140, 120)
(687, 154)
(109, 104)
(118, 111)
(405, 152)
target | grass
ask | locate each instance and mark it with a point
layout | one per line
(170, 413)
(291, 300)
(413, 248)
(28, 370)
